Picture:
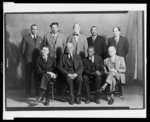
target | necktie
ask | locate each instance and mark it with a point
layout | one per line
(34, 38)
(116, 39)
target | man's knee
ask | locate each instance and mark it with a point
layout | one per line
(79, 78)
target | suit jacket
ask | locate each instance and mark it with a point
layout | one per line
(56, 48)
(98, 65)
(119, 66)
(30, 48)
(42, 67)
(80, 48)
(122, 46)
(99, 45)
(66, 67)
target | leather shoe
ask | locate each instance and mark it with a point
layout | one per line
(87, 101)
(71, 102)
(97, 101)
(78, 100)
(47, 102)
(111, 101)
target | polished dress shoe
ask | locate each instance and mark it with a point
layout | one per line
(78, 101)
(71, 102)
(111, 101)
(47, 102)
(87, 101)
(97, 101)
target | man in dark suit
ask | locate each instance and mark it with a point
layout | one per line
(120, 42)
(93, 69)
(71, 68)
(45, 67)
(30, 50)
(98, 42)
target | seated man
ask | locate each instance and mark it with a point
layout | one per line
(45, 66)
(93, 68)
(70, 66)
(115, 69)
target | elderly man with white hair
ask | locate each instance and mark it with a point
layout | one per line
(115, 69)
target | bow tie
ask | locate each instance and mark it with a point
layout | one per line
(75, 34)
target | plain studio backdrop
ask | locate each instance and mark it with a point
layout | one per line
(18, 25)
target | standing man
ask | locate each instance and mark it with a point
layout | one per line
(30, 50)
(71, 68)
(93, 69)
(120, 42)
(98, 42)
(55, 41)
(79, 41)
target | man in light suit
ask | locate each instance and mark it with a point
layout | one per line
(115, 68)
(98, 42)
(30, 47)
(55, 40)
(71, 68)
(120, 42)
(79, 41)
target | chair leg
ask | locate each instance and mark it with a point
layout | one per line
(52, 85)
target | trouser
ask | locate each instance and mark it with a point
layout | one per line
(29, 72)
(95, 80)
(111, 79)
(76, 83)
(45, 84)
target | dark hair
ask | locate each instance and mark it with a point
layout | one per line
(93, 27)
(91, 47)
(45, 47)
(54, 23)
(116, 27)
(33, 25)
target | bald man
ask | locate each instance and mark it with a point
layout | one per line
(70, 66)
(79, 41)
(115, 68)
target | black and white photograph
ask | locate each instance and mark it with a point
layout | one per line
(80, 60)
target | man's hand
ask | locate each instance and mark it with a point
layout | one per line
(75, 75)
(52, 74)
(113, 70)
(98, 73)
(71, 76)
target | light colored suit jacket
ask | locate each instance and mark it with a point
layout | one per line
(80, 48)
(55, 48)
(119, 66)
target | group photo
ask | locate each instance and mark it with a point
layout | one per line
(76, 60)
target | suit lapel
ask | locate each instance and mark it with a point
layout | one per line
(68, 60)
(51, 38)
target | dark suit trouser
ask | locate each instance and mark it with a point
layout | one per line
(29, 72)
(37, 78)
(78, 85)
(95, 79)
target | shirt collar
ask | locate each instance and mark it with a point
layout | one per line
(33, 35)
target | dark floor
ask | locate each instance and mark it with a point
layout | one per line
(133, 98)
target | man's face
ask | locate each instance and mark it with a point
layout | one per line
(54, 29)
(91, 52)
(45, 51)
(116, 32)
(94, 31)
(112, 51)
(76, 29)
(34, 30)
(69, 48)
